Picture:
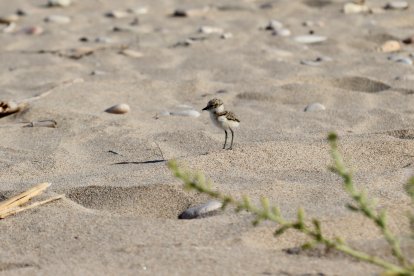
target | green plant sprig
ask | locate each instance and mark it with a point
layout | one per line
(266, 212)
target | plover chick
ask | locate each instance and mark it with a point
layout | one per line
(225, 120)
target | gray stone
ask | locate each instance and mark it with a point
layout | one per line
(202, 210)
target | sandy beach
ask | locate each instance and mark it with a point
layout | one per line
(121, 206)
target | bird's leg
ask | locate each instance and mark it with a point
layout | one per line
(232, 136)
(225, 140)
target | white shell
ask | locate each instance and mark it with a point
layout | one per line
(314, 107)
(60, 19)
(309, 39)
(201, 210)
(186, 113)
(350, 8)
(118, 109)
(397, 5)
(59, 3)
(210, 30)
(390, 46)
(131, 53)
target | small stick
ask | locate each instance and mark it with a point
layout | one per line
(18, 210)
(23, 197)
(158, 146)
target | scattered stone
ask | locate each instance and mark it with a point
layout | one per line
(20, 12)
(351, 8)
(84, 39)
(131, 53)
(34, 30)
(9, 28)
(103, 40)
(190, 12)
(409, 40)
(43, 123)
(98, 73)
(117, 14)
(118, 109)
(226, 35)
(309, 39)
(139, 11)
(396, 5)
(405, 78)
(134, 22)
(274, 25)
(282, 32)
(186, 113)
(58, 3)
(59, 19)
(202, 210)
(314, 107)
(9, 19)
(316, 62)
(210, 30)
(390, 46)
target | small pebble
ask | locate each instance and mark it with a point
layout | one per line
(9, 19)
(103, 40)
(131, 53)
(282, 32)
(139, 11)
(98, 73)
(351, 8)
(396, 5)
(186, 113)
(118, 109)
(309, 39)
(274, 25)
(34, 30)
(20, 12)
(314, 107)
(409, 40)
(117, 14)
(226, 35)
(390, 46)
(59, 3)
(190, 12)
(318, 61)
(9, 28)
(59, 19)
(202, 210)
(405, 78)
(210, 30)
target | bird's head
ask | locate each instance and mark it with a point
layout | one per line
(214, 105)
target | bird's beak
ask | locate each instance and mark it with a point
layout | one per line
(205, 108)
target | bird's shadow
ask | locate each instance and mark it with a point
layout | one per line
(141, 162)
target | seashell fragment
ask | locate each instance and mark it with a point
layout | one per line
(59, 3)
(314, 107)
(10, 107)
(202, 210)
(42, 123)
(309, 39)
(131, 53)
(210, 30)
(59, 19)
(118, 109)
(390, 46)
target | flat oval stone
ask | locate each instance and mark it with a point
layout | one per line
(118, 109)
(202, 210)
(314, 107)
(309, 39)
(60, 19)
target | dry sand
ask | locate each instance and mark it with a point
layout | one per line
(120, 214)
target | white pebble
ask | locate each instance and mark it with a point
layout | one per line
(210, 30)
(350, 8)
(139, 11)
(59, 3)
(309, 39)
(226, 35)
(282, 32)
(118, 109)
(274, 25)
(117, 14)
(60, 19)
(186, 113)
(314, 107)
(201, 210)
(397, 5)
